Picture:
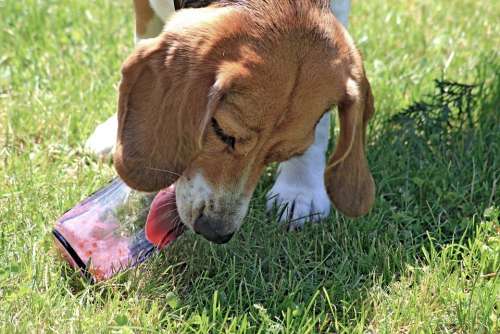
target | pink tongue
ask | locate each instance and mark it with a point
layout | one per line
(163, 224)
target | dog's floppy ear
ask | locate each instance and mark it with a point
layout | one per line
(348, 179)
(161, 114)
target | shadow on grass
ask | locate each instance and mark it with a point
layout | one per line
(436, 165)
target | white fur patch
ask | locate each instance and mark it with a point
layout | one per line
(352, 88)
(191, 196)
(194, 197)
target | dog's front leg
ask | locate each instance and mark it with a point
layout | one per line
(299, 191)
(102, 141)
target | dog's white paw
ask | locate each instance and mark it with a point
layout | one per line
(297, 203)
(102, 141)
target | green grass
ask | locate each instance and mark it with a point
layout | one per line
(425, 260)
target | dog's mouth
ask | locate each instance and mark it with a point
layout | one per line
(163, 224)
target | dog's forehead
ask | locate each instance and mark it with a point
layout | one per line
(286, 89)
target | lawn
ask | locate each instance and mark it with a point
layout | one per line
(427, 258)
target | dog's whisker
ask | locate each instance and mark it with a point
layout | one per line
(166, 204)
(163, 171)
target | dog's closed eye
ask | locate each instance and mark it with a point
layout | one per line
(226, 139)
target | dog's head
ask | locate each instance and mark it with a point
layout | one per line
(225, 91)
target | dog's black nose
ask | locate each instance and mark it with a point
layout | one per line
(212, 230)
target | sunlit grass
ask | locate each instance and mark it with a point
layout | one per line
(426, 259)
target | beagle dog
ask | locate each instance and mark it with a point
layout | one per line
(213, 95)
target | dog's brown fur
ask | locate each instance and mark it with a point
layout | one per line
(265, 71)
